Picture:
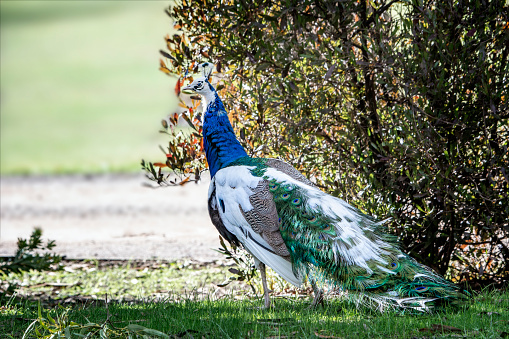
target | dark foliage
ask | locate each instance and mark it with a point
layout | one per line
(399, 108)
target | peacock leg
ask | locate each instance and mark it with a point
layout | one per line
(261, 267)
(318, 294)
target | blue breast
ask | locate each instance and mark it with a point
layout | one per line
(221, 145)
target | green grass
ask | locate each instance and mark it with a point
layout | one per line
(229, 318)
(80, 86)
(178, 299)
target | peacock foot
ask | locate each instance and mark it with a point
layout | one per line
(317, 300)
(267, 304)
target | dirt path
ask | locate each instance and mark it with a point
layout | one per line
(108, 217)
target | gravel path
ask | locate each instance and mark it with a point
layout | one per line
(108, 217)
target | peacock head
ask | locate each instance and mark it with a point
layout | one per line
(199, 86)
(203, 87)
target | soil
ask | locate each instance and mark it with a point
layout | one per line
(108, 217)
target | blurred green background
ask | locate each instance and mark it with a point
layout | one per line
(80, 87)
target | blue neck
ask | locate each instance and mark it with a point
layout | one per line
(219, 141)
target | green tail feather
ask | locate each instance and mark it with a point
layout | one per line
(402, 283)
(312, 240)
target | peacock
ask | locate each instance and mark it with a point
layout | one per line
(287, 223)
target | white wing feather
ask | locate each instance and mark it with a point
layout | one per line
(234, 187)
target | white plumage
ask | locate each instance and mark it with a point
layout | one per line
(234, 187)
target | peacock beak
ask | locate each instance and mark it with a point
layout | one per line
(187, 90)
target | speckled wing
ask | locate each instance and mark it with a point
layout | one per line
(264, 220)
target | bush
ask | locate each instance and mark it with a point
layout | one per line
(399, 108)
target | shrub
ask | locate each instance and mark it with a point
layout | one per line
(399, 108)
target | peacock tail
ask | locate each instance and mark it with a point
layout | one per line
(336, 244)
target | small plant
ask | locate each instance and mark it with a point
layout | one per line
(63, 327)
(245, 270)
(29, 257)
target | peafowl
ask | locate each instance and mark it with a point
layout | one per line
(290, 225)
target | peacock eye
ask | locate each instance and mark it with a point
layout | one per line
(395, 266)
